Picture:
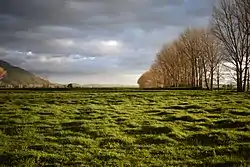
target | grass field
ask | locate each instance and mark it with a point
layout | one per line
(160, 128)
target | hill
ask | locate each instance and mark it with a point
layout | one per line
(17, 76)
(109, 86)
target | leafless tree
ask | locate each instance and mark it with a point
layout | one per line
(211, 57)
(190, 47)
(230, 24)
(188, 60)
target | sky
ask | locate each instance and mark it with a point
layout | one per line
(93, 41)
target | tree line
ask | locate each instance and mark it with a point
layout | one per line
(195, 58)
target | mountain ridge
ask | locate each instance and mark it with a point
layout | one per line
(16, 76)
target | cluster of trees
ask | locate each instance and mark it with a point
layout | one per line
(188, 61)
(195, 58)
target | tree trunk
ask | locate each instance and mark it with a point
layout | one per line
(245, 74)
(248, 79)
(240, 89)
(200, 75)
(205, 75)
(200, 82)
(165, 81)
(196, 74)
(239, 78)
(247, 49)
(193, 76)
(218, 78)
(206, 81)
(211, 78)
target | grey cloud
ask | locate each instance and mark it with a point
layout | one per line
(165, 3)
(35, 10)
(201, 8)
(54, 30)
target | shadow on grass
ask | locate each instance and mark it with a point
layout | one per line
(229, 124)
(26, 108)
(78, 127)
(154, 140)
(158, 112)
(194, 128)
(51, 101)
(214, 116)
(46, 148)
(86, 111)
(214, 110)
(16, 130)
(186, 118)
(184, 107)
(241, 151)
(75, 126)
(115, 101)
(245, 113)
(46, 113)
(224, 164)
(11, 159)
(150, 130)
(111, 142)
(106, 156)
(152, 111)
(209, 139)
(120, 121)
(73, 141)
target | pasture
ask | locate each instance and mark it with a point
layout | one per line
(124, 128)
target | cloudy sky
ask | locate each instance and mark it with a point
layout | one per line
(93, 41)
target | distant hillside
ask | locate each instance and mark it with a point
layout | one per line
(109, 85)
(76, 85)
(16, 76)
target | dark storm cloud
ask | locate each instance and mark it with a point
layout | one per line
(106, 35)
(160, 3)
(201, 8)
(35, 11)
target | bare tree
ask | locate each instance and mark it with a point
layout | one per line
(191, 47)
(172, 65)
(211, 57)
(230, 24)
(194, 56)
(143, 80)
(243, 17)
(149, 79)
(156, 76)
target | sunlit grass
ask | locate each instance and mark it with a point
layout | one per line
(167, 128)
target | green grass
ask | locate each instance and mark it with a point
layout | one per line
(158, 128)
